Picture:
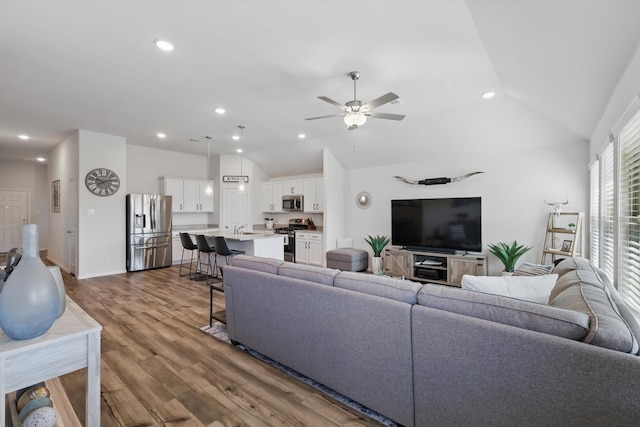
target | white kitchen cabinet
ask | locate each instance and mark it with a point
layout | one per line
(313, 195)
(294, 186)
(190, 195)
(272, 196)
(309, 248)
(173, 188)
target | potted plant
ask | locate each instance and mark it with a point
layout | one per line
(268, 223)
(377, 243)
(572, 226)
(508, 254)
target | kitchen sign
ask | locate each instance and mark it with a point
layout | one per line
(235, 178)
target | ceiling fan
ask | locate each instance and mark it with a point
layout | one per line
(355, 112)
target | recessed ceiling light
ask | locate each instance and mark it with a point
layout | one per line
(23, 137)
(41, 159)
(164, 45)
(220, 110)
(488, 95)
(239, 150)
(236, 137)
(302, 136)
(161, 135)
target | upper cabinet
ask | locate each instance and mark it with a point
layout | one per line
(272, 193)
(313, 194)
(190, 195)
(294, 186)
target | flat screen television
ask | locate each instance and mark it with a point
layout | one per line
(447, 225)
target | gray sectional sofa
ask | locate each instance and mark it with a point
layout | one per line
(432, 355)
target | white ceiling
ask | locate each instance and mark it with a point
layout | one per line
(93, 65)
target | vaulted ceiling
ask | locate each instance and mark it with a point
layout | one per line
(93, 65)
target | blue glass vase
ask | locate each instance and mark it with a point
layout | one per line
(29, 301)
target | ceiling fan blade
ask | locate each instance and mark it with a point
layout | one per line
(379, 101)
(324, 117)
(386, 116)
(331, 101)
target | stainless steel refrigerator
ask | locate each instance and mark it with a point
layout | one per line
(148, 231)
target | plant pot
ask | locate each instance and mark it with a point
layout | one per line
(376, 265)
(506, 273)
(268, 225)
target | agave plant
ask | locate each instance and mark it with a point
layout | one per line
(508, 254)
(377, 243)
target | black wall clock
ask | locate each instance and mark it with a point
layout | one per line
(102, 182)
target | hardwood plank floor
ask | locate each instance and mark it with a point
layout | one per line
(159, 369)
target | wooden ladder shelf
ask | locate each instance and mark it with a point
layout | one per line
(560, 239)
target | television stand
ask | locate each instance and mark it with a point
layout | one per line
(433, 267)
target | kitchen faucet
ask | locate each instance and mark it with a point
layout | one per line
(237, 229)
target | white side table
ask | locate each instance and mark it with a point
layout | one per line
(72, 343)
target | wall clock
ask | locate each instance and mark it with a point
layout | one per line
(102, 182)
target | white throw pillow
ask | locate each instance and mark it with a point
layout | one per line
(528, 288)
(345, 242)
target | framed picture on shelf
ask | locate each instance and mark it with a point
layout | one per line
(566, 245)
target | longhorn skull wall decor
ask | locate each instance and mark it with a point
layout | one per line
(557, 206)
(436, 181)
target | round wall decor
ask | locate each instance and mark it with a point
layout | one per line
(102, 182)
(363, 200)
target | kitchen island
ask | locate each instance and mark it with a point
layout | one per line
(260, 243)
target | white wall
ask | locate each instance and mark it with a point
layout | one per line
(101, 237)
(513, 189)
(146, 166)
(63, 166)
(336, 209)
(627, 88)
(32, 177)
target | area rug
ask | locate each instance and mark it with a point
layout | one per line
(219, 331)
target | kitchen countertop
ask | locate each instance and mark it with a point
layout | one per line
(249, 235)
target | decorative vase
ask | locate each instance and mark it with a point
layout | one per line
(376, 265)
(268, 224)
(62, 295)
(29, 301)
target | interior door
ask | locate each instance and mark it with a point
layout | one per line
(235, 208)
(72, 227)
(13, 214)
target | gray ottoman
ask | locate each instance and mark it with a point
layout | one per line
(348, 259)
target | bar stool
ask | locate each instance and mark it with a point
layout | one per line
(187, 245)
(223, 249)
(205, 248)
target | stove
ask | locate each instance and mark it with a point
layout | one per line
(290, 237)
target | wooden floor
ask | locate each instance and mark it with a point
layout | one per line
(159, 369)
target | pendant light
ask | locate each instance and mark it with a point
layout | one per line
(241, 186)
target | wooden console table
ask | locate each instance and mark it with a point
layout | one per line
(72, 343)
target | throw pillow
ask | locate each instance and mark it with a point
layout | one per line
(528, 288)
(531, 269)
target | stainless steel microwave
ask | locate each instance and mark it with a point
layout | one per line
(292, 202)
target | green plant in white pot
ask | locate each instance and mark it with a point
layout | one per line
(508, 254)
(377, 243)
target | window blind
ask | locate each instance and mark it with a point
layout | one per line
(594, 214)
(607, 224)
(628, 276)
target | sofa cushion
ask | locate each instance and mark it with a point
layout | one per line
(588, 294)
(570, 264)
(382, 286)
(267, 265)
(570, 278)
(505, 310)
(311, 273)
(528, 288)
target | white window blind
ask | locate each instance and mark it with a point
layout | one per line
(628, 277)
(607, 223)
(594, 214)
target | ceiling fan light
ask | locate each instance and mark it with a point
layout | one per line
(355, 119)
